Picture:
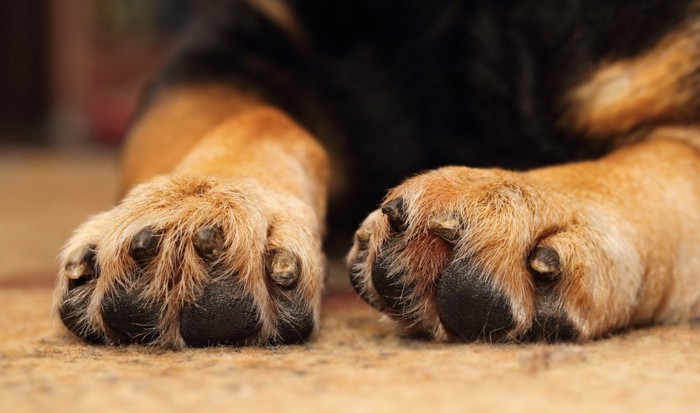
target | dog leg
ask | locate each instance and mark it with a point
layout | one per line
(567, 252)
(218, 239)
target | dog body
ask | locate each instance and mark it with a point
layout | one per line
(227, 173)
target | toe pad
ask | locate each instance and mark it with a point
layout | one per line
(224, 314)
(469, 305)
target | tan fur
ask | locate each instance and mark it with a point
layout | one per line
(176, 121)
(227, 161)
(627, 229)
(620, 96)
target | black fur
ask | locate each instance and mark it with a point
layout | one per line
(400, 86)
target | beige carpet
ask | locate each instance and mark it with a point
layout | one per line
(357, 364)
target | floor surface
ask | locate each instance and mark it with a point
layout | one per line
(357, 364)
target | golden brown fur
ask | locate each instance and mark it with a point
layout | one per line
(243, 167)
(626, 227)
(606, 219)
(653, 87)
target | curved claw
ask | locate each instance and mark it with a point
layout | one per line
(395, 210)
(545, 263)
(284, 269)
(209, 242)
(445, 228)
(81, 263)
(362, 237)
(80, 266)
(144, 245)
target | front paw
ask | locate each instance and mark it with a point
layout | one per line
(194, 261)
(460, 253)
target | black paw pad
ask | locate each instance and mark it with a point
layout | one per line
(144, 245)
(356, 282)
(393, 290)
(469, 306)
(296, 324)
(224, 314)
(130, 317)
(72, 313)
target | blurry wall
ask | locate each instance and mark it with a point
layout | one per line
(70, 75)
(71, 70)
(103, 53)
(24, 69)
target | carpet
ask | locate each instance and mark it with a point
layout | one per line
(357, 364)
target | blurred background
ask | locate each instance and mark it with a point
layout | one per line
(71, 72)
(70, 76)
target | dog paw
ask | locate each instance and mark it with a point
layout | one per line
(194, 261)
(470, 254)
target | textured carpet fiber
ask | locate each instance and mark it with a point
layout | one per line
(356, 364)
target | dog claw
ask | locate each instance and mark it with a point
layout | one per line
(544, 261)
(144, 245)
(445, 228)
(209, 242)
(395, 212)
(284, 269)
(362, 237)
(81, 263)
